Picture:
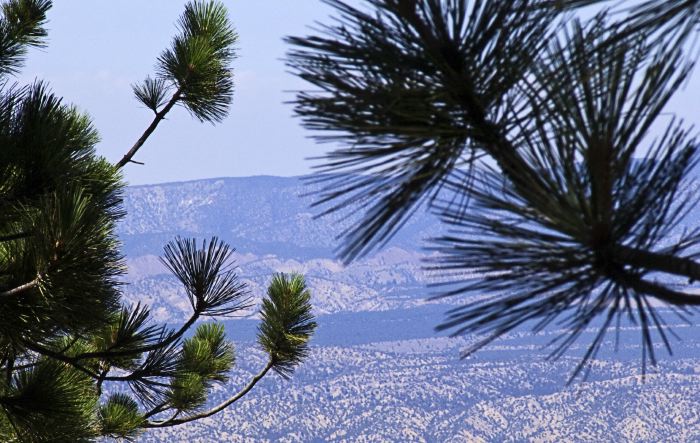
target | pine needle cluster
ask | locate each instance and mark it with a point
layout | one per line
(529, 132)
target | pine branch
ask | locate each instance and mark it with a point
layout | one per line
(160, 115)
(172, 338)
(101, 380)
(156, 410)
(60, 357)
(136, 376)
(17, 236)
(652, 261)
(177, 421)
(656, 290)
(14, 291)
(566, 219)
(104, 355)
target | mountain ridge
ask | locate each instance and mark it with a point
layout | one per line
(377, 369)
(258, 214)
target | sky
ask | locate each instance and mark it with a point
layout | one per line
(98, 49)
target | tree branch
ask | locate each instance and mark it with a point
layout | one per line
(60, 357)
(171, 339)
(656, 290)
(16, 236)
(156, 410)
(137, 376)
(147, 133)
(653, 261)
(177, 421)
(101, 379)
(526, 180)
(20, 288)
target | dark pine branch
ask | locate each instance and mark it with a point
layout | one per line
(17, 236)
(21, 288)
(220, 407)
(665, 263)
(160, 115)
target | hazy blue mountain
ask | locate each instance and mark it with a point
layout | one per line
(259, 215)
(378, 371)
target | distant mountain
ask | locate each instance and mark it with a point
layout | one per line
(420, 391)
(263, 215)
(391, 279)
(258, 215)
(269, 220)
(378, 371)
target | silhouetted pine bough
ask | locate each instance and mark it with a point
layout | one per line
(76, 364)
(534, 122)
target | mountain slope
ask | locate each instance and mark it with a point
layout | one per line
(377, 369)
(259, 215)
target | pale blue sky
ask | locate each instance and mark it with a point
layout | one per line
(98, 48)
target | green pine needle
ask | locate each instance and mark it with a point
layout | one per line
(120, 417)
(208, 275)
(152, 93)
(52, 402)
(287, 323)
(208, 353)
(198, 62)
(21, 25)
(188, 392)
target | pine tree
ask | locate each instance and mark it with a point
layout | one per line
(528, 132)
(76, 363)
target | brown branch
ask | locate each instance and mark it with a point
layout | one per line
(73, 361)
(177, 421)
(160, 115)
(21, 288)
